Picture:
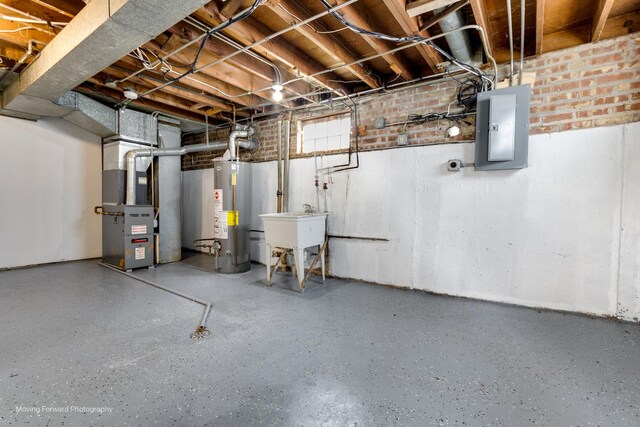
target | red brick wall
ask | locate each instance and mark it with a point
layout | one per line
(587, 86)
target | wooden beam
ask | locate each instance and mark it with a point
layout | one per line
(63, 8)
(603, 9)
(93, 89)
(159, 97)
(223, 77)
(359, 17)
(437, 17)
(230, 7)
(182, 91)
(481, 19)
(244, 62)
(410, 27)
(251, 30)
(539, 25)
(327, 43)
(419, 7)
(10, 32)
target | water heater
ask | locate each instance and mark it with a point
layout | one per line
(232, 215)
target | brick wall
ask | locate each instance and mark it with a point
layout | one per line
(587, 86)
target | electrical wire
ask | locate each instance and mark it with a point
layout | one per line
(404, 39)
(194, 64)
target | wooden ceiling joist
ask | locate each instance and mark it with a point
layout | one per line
(603, 9)
(244, 62)
(231, 7)
(479, 12)
(410, 27)
(250, 30)
(151, 103)
(539, 25)
(141, 84)
(418, 7)
(328, 44)
(437, 17)
(224, 77)
(396, 62)
(187, 89)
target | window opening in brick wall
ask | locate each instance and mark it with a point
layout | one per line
(331, 133)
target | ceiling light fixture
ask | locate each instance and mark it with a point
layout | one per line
(130, 94)
(277, 92)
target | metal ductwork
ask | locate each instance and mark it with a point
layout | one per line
(133, 155)
(100, 34)
(89, 114)
(232, 144)
(459, 41)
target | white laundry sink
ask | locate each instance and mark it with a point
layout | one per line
(293, 230)
(296, 231)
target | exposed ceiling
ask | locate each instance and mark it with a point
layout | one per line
(315, 60)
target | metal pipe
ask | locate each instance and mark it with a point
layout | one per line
(287, 138)
(510, 22)
(480, 30)
(132, 155)
(202, 327)
(279, 191)
(239, 51)
(522, 19)
(234, 143)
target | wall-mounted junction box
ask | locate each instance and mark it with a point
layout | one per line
(502, 128)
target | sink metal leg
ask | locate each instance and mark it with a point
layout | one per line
(269, 265)
(298, 255)
(322, 251)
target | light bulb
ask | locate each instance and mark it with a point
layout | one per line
(277, 95)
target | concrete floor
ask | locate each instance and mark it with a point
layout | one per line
(77, 334)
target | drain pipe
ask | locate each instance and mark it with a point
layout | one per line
(201, 331)
(287, 143)
(279, 192)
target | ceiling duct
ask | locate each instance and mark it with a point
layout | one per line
(459, 41)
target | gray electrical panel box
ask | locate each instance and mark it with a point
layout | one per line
(127, 236)
(502, 128)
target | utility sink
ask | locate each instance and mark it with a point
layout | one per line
(293, 230)
(296, 231)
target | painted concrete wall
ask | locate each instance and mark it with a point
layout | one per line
(547, 236)
(50, 181)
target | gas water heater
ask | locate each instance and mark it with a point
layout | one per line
(232, 215)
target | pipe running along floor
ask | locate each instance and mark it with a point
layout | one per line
(105, 349)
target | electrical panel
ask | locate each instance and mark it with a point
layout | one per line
(502, 128)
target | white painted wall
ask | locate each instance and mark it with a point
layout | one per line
(50, 176)
(547, 236)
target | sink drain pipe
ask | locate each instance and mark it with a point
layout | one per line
(201, 331)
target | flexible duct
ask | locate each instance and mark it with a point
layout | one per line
(196, 148)
(458, 41)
